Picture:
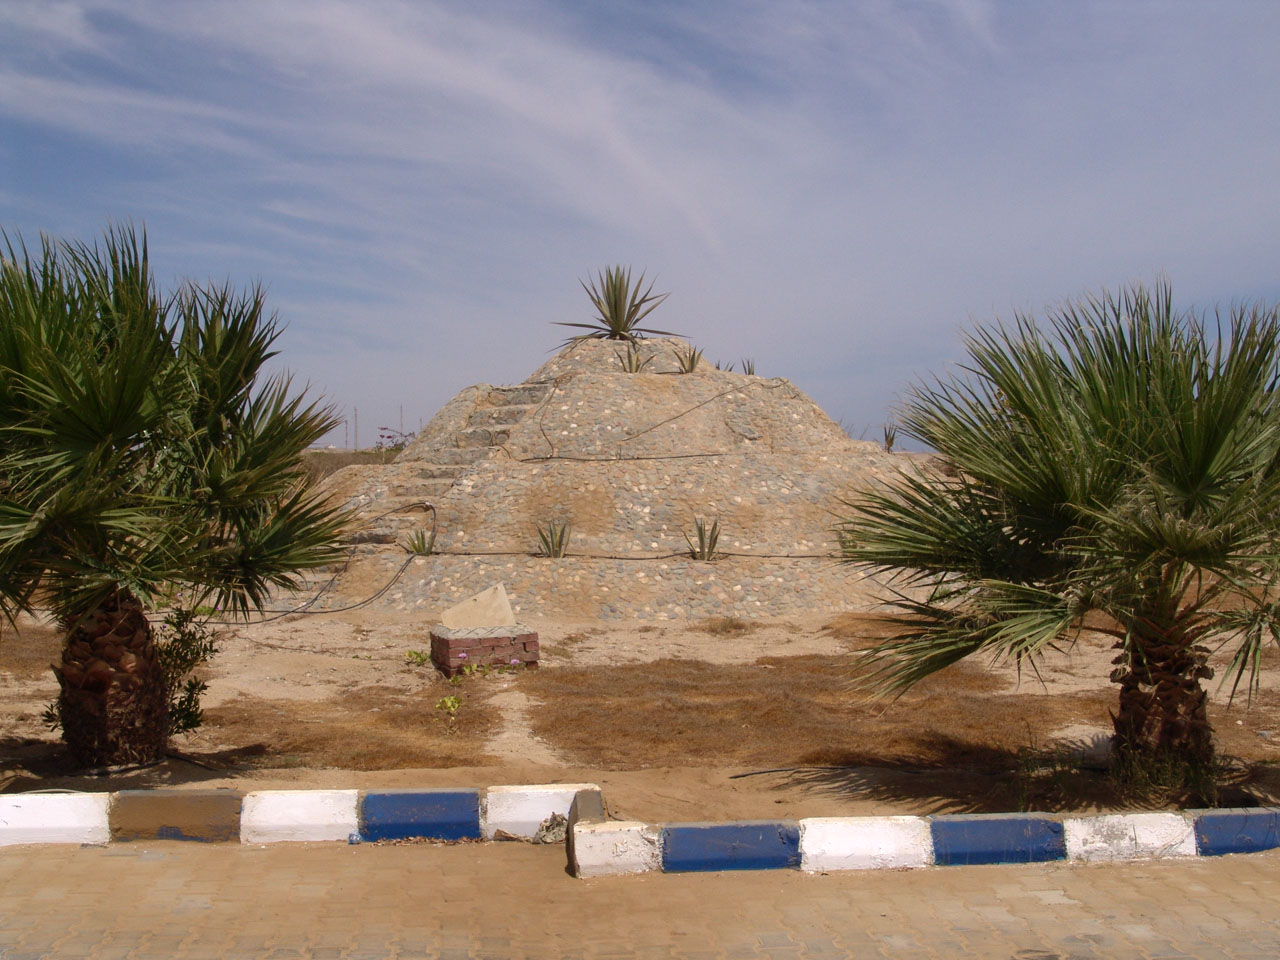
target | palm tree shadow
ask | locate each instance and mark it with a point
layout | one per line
(29, 764)
(949, 775)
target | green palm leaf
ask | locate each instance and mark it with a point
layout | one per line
(1120, 461)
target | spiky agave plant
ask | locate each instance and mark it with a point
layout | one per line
(688, 358)
(631, 359)
(553, 539)
(1121, 463)
(620, 306)
(704, 544)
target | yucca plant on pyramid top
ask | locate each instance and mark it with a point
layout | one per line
(620, 306)
(1121, 463)
(143, 451)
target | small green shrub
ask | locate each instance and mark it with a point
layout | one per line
(418, 658)
(482, 670)
(553, 539)
(702, 545)
(688, 359)
(890, 436)
(420, 543)
(748, 367)
(631, 360)
(450, 706)
(185, 643)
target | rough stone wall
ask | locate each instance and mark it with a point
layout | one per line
(576, 588)
(442, 428)
(628, 461)
(596, 410)
(764, 504)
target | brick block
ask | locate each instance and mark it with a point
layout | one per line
(864, 843)
(520, 810)
(613, 848)
(1237, 831)
(1129, 836)
(54, 818)
(435, 814)
(996, 838)
(203, 815)
(744, 845)
(273, 816)
(451, 650)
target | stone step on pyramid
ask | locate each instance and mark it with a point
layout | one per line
(490, 423)
(390, 502)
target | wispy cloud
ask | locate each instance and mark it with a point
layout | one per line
(834, 188)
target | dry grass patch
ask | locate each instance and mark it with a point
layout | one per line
(725, 626)
(564, 646)
(373, 728)
(788, 711)
(321, 463)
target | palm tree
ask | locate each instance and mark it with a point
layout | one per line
(1118, 464)
(142, 451)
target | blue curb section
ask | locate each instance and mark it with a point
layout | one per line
(420, 814)
(744, 845)
(996, 838)
(1237, 831)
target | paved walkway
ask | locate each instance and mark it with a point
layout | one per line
(515, 900)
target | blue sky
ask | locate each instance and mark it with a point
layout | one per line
(834, 189)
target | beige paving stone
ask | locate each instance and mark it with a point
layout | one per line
(516, 900)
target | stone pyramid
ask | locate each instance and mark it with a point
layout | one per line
(629, 461)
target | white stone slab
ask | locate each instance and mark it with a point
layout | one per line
(488, 608)
(615, 848)
(272, 816)
(519, 810)
(1130, 836)
(864, 843)
(55, 818)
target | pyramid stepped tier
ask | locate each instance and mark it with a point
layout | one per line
(576, 588)
(629, 462)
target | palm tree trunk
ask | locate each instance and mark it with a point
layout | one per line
(1162, 705)
(113, 706)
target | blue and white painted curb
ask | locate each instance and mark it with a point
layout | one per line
(601, 847)
(277, 816)
(598, 846)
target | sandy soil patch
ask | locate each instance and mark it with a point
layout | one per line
(679, 721)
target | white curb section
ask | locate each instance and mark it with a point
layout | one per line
(864, 843)
(273, 816)
(55, 818)
(616, 847)
(520, 810)
(1129, 836)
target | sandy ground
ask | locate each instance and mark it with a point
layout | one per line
(360, 664)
